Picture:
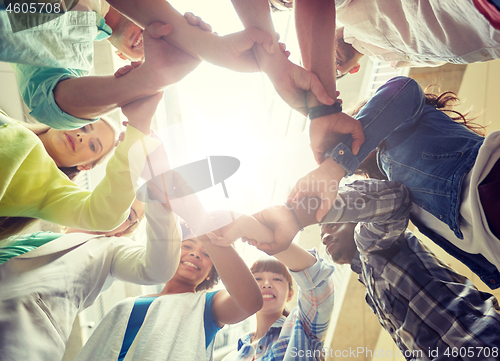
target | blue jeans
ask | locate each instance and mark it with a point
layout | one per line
(427, 151)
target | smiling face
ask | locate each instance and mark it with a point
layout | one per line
(339, 241)
(275, 291)
(81, 147)
(126, 36)
(195, 264)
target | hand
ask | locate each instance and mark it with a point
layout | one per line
(196, 21)
(292, 81)
(243, 226)
(234, 51)
(284, 225)
(164, 63)
(127, 68)
(325, 132)
(140, 112)
(323, 183)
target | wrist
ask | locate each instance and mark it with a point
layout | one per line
(335, 170)
(324, 110)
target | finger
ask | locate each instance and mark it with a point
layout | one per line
(358, 137)
(319, 91)
(260, 37)
(190, 18)
(157, 30)
(205, 26)
(319, 156)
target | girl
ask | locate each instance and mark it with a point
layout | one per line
(451, 172)
(43, 289)
(304, 328)
(32, 183)
(180, 323)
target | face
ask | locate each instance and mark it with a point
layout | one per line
(195, 264)
(346, 57)
(80, 147)
(275, 291)
(339, 241)
(127, 38)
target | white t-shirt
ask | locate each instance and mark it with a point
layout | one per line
(424, 32)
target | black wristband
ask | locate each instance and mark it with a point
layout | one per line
(294, 215)
(322, 110)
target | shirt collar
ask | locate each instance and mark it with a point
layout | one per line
(275, 327)
(104, 31)
(356, 263)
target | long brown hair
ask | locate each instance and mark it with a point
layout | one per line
(269, 264)
(445, 102)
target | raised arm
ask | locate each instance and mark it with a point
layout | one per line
(382, 209)
(290, 81)
(242, 296)
(397, 105)
(314, 278)
(91, 97)
(158, 261)
(315, 24)
(231, 51)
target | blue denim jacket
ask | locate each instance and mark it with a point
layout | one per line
(427, 151)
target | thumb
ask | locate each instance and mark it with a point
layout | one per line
(260, 37)
(318, 89)
(157, 30)
(358, 137)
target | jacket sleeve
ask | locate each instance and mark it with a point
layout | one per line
(315, 298)
(40, 190)
(381, 209)
(397, 105)
(158, 261)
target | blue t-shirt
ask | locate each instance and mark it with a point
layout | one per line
(140, 309)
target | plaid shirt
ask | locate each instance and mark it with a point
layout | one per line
(297, 336)
(431, 312)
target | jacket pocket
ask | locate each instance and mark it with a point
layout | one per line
(430, 156)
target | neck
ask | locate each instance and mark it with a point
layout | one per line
(176, 286)
(264, 323)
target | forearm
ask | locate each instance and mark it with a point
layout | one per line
(397, 105)
(315, 24)
(94, 96)
(190, 39)
(234, 273)
(158, 262)
(296, 258)
(371, 201)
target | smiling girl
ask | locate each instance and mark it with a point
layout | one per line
(38, 165)
(304, 328)
(180, 323)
